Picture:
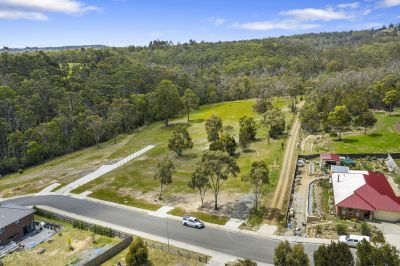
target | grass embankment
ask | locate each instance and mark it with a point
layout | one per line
(57, 251)
(104, 194)
(157, 258)
(206, 217)
(135, 179)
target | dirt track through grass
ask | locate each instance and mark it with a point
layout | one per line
(288, 167)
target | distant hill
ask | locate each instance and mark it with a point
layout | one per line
(59, 48)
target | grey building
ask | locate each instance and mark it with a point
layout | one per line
(15, 222)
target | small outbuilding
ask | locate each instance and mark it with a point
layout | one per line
(328, 159)
(15, 222)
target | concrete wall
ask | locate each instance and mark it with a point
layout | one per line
(387, 216)
(15, 231)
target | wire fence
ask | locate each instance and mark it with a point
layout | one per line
(178, 251)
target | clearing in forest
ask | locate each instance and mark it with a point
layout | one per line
(382, 138)
(133, 184)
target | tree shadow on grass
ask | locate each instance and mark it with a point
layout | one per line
(349, 141)
(374, 135)
(249, 151)
(195, 121)
(189, 155)
(273, 214)
(175, 124)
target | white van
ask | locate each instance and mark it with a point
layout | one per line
(352, 240)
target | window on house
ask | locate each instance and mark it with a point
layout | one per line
(2, 230)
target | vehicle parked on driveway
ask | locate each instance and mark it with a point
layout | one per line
(352, 240)
(192, 222)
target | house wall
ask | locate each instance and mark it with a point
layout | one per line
(15, 231)
(387, 216)
(354, 213)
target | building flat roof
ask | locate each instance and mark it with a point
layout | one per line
(10, 213)
(339, 169)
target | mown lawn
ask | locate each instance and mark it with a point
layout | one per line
(137, 175)
(382, 138)
(206, 217)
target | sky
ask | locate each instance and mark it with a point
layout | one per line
(136, 22)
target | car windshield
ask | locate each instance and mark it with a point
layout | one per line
(347, 237)
(196, 220)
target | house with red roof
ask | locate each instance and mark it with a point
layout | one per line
(365, 195)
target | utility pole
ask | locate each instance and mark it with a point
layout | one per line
(167, 231)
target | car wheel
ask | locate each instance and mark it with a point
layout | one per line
(185, 224)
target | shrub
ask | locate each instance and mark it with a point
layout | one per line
(137, 254)
(333, 134)
(216, 146)
(244, 262)
(286, 255)
(20, 171)
(341, 229)
(333, 254)
(365, 229)
(378, 237)
(318, 229)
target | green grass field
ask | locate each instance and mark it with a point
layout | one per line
(136, 177)
(384, 137)
(127, 184)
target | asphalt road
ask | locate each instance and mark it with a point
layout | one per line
(232, 243)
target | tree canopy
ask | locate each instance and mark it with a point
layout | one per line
(216, 167)
(46, 98)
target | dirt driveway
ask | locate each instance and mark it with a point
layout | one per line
(286, 174)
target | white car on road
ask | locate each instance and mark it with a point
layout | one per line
(352, 240)
(192, 222)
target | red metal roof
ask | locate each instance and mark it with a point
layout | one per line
(330, 157)
(356, 202)
(376, 194)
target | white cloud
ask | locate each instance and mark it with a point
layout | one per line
(217, 21)
(15, 14)
(389, 3)
(366, 12)
(313, 14)
(349, 5)
(37, 9)
(271, 25)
